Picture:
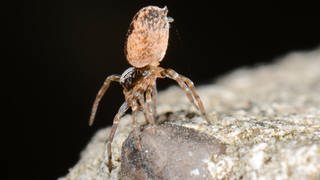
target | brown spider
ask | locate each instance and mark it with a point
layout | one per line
(146, 45)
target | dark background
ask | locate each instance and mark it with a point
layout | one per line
(60, 52)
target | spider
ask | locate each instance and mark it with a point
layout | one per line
(146, 45)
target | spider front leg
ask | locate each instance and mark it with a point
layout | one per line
(124, 107)
(100, 94)
(187, 85)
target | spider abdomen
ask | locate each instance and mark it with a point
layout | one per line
(148, 37)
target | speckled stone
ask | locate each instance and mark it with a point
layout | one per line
(268, 118)
(168, 152)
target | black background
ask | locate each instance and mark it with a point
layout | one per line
(61, 51)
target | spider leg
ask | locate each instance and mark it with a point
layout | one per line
(124, 107)
(187, 85)
(135, 128)
(100, 94)
(154, 99)
(146, 108)
(150, 106)
(196, 97)
(177, 77)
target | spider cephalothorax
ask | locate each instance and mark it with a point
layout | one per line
(146, 46)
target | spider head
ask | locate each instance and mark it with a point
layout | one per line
(148, 37)
(131, 76)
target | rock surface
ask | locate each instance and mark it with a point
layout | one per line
(265, 124)
(168, 152)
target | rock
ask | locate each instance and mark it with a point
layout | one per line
(168, 151)
(265, 124)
